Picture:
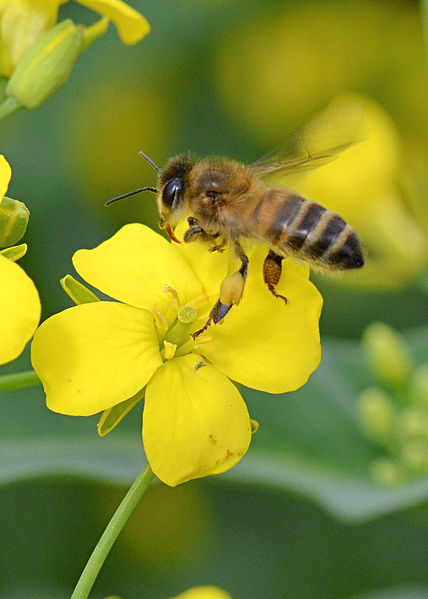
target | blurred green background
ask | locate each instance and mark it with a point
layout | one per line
(231, 78)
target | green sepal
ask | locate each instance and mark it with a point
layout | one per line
(110, 418)
(46, 64)
(93, 32)
(14, 217)
(77, 291)
(15, 252)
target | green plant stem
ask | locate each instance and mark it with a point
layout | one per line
(109, 536)
(19, 380)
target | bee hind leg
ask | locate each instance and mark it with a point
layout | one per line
(272, 269)
(231, 291)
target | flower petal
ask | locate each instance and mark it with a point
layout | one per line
(209, 267)
(94, 356)
(130, 24)
(195, 423)
(22, 23)
(264, 343)
(208, 592)
(134, 265)
(5, 175)
(19, 309)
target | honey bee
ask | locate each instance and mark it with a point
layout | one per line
(229, 200)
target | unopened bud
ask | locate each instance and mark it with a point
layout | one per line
(387, 473)
(419, 386)
(14, 217)
(388, 354)
(376, 414)
(415, 455)
(413, 422)
(46, 64)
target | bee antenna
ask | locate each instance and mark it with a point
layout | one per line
(131, 193)
(150, 161)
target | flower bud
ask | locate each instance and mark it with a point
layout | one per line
(415, 455)
(14, 217)
(376, 414)
(413, 422)
(46, 65)
(419, 386)
(387, 473)
(388, 354)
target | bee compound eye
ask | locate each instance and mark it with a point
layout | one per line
(172, 193)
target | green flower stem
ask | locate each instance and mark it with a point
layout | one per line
(19, 380)
(109, 536)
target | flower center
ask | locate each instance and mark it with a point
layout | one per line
(176, 339)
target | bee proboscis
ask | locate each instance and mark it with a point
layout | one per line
(228, 201)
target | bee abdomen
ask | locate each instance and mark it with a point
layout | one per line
(320, 235)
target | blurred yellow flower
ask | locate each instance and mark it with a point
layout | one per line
(363, 185)
(19, 300)
(96, 355)
(22, 22)
(208, 592)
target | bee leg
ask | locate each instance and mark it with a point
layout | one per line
(231, 291)
(272, 268)
(193, 232)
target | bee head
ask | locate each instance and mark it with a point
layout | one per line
(171, 198)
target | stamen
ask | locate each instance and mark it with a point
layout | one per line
(202, 340)
(174, 294)
(169, 351)
(160, 320)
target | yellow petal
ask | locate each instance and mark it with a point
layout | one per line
(130, 24)
(209, 267)
(5, 175)
(208, 592)
(22, 23)
(264, 343)
(195, 423)
(19, 309)
(134, 266)
(94, 356)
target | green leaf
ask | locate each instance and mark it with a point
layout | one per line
(308, 442)
(397, 593)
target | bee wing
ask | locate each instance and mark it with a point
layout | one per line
(317, 143)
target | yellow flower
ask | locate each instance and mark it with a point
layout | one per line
(22, 22)
(96, 355)
(19, 300)
(363, 185)
(209, 592)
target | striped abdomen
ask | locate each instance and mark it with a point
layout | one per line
(305, 228)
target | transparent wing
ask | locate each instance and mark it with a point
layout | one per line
(316, 144)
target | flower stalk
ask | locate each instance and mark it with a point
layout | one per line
(19, 380)
(109, 536)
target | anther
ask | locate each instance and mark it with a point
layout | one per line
(173, 293)
(170, 349)
(160, 319)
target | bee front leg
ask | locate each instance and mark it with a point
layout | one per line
(272, 269)
(231, 291)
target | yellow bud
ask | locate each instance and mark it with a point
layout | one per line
(419, 385)
(231, 289)
(387, 473)
(388, 354)
(14, 217)
(376, 414)
(415, 455)
(46, 65)
(413, 422)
